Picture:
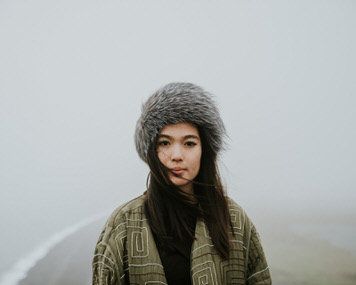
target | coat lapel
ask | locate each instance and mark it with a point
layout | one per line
(144, 263)
(204, 257)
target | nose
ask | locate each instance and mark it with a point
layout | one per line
(176, 154)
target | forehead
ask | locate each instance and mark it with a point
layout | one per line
(180, 129)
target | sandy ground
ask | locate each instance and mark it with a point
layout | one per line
(300, 259)
(293, 259)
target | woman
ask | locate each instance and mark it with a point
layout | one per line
(183, 229)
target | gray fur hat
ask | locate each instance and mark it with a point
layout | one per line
(177, 103)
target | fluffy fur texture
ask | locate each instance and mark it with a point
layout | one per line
(176, 103)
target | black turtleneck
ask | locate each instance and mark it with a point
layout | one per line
(175, 256)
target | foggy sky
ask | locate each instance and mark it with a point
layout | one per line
(73, 76)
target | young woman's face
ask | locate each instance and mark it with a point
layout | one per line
(179, 149)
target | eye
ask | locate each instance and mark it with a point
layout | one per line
(163, 143)
(190, 143)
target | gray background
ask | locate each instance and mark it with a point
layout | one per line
(73, 76)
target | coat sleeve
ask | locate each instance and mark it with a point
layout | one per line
(257, 268)
(106, 265)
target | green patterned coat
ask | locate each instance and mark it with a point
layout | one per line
(126, 252)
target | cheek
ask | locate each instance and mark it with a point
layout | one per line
(196, 161)
(162, 157)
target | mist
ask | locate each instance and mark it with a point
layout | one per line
(74, 74)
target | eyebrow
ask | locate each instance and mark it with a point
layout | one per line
(185, 137)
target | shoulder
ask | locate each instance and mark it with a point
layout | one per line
(232, 204)
(239, 218)
(117, 221)
(235, 208)
(133, 205)
(124, 211)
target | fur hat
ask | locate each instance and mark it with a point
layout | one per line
(177, 103)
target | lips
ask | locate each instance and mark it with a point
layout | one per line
(177, 170)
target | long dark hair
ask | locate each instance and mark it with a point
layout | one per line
(168, 208)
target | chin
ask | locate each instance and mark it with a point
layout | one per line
(179, 183)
